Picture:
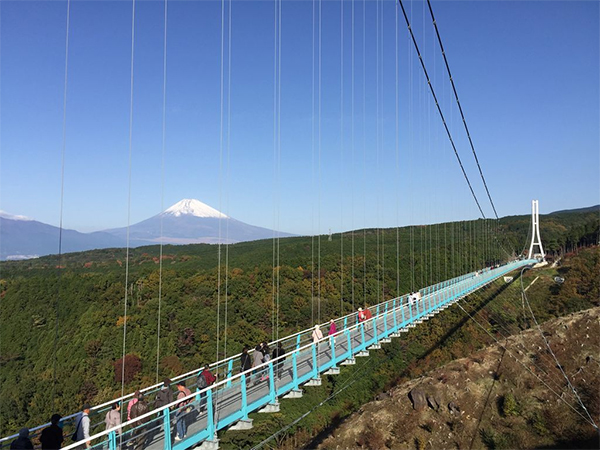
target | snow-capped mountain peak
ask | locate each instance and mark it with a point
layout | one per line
(6, 215)
(192, 207)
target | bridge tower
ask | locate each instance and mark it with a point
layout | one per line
(536, 240)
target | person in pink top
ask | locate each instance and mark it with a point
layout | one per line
(132, 402)
(332, 328)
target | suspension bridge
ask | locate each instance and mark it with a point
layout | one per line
(228, 404)
(230, 401)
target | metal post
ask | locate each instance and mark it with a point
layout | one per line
(345, 322)
(362, 335)
(349, 343)
(112, 440)
(167, 428)
(315, 362)
(229, 372)
(210, 418)
(395, 315)
(295, 370)
(272, 392)
(297, 342)
(244, 397)
(332, 344)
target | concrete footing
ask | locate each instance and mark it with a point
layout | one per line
(385, 341)
(294, 393)
(209, 445)
(333, 371)
(375, 347)
(314, 382)
(244, 424)
(362, 354)
(270, 408)
(348, 362)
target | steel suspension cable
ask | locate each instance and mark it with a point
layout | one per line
(462, 115)
(162, 186)
(432, 90)
(62, 196)
(128, 199)
(342, 157)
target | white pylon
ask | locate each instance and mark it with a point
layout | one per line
(535, 232)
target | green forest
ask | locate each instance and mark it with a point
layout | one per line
(62, 318)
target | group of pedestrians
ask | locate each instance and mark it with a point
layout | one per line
(261, 355)
(52, 437)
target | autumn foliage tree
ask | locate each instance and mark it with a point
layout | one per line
(133, 366)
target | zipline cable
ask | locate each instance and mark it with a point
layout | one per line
(527, 368)
(432, 90)
(558, 364)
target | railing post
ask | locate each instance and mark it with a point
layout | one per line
(377, 310)
(362, 335)
(385, 327)
(272, 392)
(112, 440)
(345, 322)
(210, 415)
(298, 342)
(395, 315)
(315, 362)
(374, 320)
(402, 310)
(167, 428)
(229, 372)
(244, 397)
(349, 343)
(332, 345)
(295, 370)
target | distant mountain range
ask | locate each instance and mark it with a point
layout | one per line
(187, 222)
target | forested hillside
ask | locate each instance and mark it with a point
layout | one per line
(84, 293)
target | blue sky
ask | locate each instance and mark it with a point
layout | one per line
(527, 73)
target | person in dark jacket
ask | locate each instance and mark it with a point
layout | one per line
(22, 442)
(245, 360)
(165, 395)
(277, 352)
(52, 436)
(139, 409)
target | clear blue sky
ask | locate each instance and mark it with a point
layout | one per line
(527, 73)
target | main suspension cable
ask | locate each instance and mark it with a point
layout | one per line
(432, 90)
(437, 32)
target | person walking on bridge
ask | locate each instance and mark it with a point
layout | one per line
(257, 357)
(137, 410)
(52, 436)
(113, 417)
(22, 442)
(82, 432)
(164, 396)
(182, 411)
(332, 328)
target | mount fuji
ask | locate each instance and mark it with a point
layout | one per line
(186, 222)
(190, 221)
